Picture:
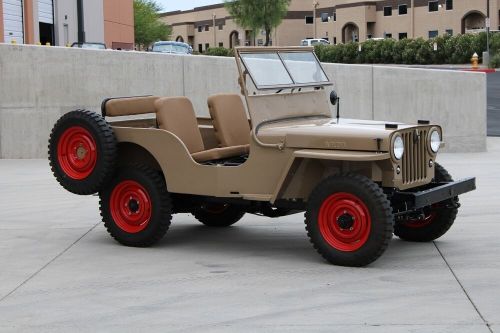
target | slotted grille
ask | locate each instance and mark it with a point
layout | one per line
(414, 158)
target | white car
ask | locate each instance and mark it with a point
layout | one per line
(314, 41)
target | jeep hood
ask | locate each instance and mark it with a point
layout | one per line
(326, 133)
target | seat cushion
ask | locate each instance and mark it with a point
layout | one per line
(229, 119)
(220, 153)
(176, 115)
(126, 106)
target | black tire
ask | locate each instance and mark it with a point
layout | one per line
(438, 218)
(218, 215)
(82, 151)
(133, 188)
(349, 220)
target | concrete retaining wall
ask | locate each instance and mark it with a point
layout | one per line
(39, 84)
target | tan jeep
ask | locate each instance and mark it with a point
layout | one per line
(357, 181)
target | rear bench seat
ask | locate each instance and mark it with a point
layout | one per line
(126, 106)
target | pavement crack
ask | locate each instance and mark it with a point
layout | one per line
(463, 288)
(48, 263)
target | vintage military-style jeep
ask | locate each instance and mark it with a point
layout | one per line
(357, 181)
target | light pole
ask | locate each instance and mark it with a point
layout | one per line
(215, 31)
(315, 4)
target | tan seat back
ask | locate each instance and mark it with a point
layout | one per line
(176, 115)
(229, 119)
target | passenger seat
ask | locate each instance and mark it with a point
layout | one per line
(230, 121)
(176, 115)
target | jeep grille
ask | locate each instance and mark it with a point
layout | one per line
(414, 157)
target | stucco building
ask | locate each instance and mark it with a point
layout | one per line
(62, 22)
(338, 21)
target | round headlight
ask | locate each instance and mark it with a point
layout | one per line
(435, 141)
(398, 147)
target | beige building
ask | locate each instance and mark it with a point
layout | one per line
(62, 22)
(338, 21)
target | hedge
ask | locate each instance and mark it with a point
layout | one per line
(450, 50)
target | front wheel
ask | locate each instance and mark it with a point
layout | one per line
(349, 220)
(437, 219)
(136, 207)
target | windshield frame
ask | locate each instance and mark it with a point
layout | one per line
(278, 51)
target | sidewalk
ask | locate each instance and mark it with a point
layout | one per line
(60, 271)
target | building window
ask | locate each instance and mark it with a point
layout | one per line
(403, 9)
(433, 6)
(200, 48)
(207, 46)
(324, 17)
(200, 28)
(369, 36)
(449, 32)
(221, 26)
(388, 35)
(207, 27)
(388, 11)
(449, 4)
(309, 20)
(221, 44)
(403, 35)
(334, 16)
(334, 40)
(433, 33)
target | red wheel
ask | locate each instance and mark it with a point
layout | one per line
(349, 220)
(130, 206)
(344, 222)
(136, 207)
(437, 220)
(82, 152)
(77, 152)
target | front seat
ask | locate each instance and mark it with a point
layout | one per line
(230, 121)
(176, 115)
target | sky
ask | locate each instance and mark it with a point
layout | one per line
(171, 5)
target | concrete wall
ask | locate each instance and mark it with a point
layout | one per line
(38, 84)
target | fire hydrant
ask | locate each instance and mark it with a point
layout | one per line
(475, 61)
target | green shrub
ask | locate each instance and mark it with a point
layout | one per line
(220, 52)
(495, 61)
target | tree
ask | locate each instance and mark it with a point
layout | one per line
(257, 14)
(148, 27)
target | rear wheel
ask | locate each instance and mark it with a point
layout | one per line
(136, 207)
(349, 220)
(437, 219)
(218, 215)
(82, 151)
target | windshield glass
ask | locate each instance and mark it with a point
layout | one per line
(170, 48)
(284, 69)
(303, 67)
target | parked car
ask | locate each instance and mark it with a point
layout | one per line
(358, 181)
(314, 41)
(87, 45)
(172, 47)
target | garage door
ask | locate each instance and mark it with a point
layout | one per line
(13, 20)
(45, 11)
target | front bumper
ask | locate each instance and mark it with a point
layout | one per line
(404, 202)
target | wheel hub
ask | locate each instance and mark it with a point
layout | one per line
(81, 152)
(345, 221)
(133, 205)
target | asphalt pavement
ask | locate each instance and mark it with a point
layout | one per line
(61, 272)
(494, 104)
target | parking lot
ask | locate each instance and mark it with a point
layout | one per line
(60, 271)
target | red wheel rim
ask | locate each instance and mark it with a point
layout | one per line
(77, 152)
(428, 219)
(348, 236)
(130, 206)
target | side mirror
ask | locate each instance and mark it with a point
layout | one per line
(334, 98)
